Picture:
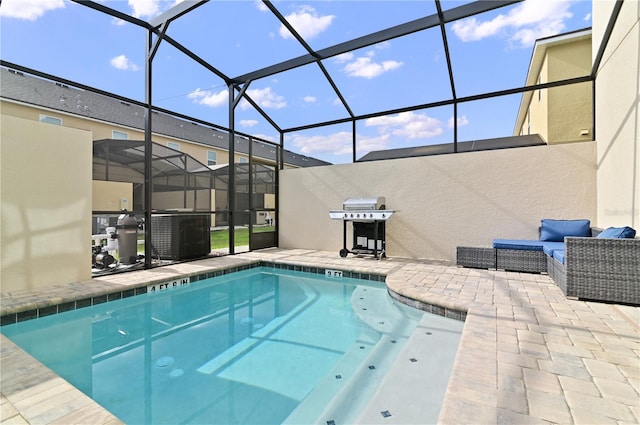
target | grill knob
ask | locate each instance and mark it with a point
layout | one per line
(357, 215)
(371, 215)
(351, 215)
(346, 215)
(383, 215)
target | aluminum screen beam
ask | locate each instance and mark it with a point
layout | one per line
(176, 11)
(446, 102)
(377, 37)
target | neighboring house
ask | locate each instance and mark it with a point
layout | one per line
(32, 98)
(120, 124)
(559, 114)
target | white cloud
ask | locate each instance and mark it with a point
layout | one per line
(340, 143)
(150, 8)
(118, 22)
(265, 98)
(462, 121)
(530, 20)
(123, 63)
(209, 98)
(248, 123)
(145, 8)
(343, 58)
(365, 67)
(261, 6)
(267, 137)
(309, 99)
(29, 10)
(306, 22)
(409, 125)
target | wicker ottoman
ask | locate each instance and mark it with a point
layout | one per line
(520, 260)
(479, 258)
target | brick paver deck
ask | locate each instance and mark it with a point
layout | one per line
(527, 354)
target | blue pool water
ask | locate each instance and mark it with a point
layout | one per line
(255, 347)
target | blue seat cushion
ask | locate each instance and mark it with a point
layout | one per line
(556, 230)
(550, 247)
(617, 232)
(523, 244)
(558, 255)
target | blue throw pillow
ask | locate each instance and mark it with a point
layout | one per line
(617, 232)
(556, 230)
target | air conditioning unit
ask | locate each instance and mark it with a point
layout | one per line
(181, 237)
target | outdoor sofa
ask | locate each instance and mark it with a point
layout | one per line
(585, 262)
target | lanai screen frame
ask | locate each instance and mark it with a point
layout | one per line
(157, 33)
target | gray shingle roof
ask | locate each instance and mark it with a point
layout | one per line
(468, 146)
(40, 92)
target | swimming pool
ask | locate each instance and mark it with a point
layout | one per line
(257, 346)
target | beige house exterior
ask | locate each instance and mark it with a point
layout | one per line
(559, 114)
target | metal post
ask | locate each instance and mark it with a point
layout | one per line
(148, 154)
(375, 239)
(232, 177)
(250, 189)
(353, 137)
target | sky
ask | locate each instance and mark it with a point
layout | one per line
(489, 52)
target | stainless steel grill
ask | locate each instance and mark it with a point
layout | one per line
(362, 210)
(368, 216)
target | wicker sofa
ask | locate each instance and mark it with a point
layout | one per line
(531, 255)
(582, 261)
(599, 269)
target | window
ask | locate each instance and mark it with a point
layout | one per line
(212, 158)
(120, 135)
(173, 145)
(539, 90)
(50, 120)
(242, 160)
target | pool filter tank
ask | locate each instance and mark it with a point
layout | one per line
(127, 230)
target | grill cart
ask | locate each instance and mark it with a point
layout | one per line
(368, 216)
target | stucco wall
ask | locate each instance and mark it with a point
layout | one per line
(538, 119)
(618, 116)
(45, 180)
(569, 107)
(112, 196)
(443, 201)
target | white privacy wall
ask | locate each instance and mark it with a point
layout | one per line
(443, 201)
(618, 115)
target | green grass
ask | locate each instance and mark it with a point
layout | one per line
(220, 238)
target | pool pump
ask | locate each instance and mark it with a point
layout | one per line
(101, 258)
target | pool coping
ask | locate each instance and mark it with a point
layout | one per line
(22, 311)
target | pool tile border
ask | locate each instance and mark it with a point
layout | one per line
(141, 289)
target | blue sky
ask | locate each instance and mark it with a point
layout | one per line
(489, 52)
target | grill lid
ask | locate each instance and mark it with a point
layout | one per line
(363, 210)
(353, 204)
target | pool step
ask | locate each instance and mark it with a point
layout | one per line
(415, 385)
(354, 379)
